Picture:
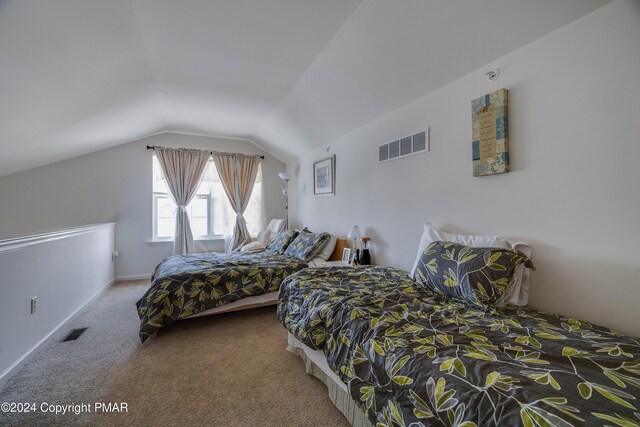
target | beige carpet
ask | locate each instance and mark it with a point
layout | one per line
(225, 370)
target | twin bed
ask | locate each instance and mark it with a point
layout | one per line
(443, 347)
(405, 356)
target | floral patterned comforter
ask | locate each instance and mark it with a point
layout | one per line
(410, 359)
(184, 285)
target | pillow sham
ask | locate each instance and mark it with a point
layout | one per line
(328, 249)
(307, 245)
(481, 277)
(281, 242)
(520, 296)
(264, 237)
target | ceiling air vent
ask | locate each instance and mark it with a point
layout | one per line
(403, 147)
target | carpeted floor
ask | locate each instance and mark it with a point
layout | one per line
(225, 370)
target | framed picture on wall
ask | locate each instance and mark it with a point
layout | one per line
(324, 177)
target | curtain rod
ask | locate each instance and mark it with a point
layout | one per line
(153, 147)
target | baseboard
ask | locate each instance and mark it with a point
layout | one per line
(15, 368)
(134, 277)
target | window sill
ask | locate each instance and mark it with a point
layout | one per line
(170, 242)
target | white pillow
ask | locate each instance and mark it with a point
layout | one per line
(253, 246)
(264, 237)
(328, 249)
(431, 234)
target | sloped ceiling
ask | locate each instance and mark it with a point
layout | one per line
(78, 76)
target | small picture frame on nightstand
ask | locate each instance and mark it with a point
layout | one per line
(346, 255)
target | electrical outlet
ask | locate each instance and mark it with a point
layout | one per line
(114, 255)
(33, 304)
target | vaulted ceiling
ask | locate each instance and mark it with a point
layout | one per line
(78, 76)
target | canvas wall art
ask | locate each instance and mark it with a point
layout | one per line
(490, 146)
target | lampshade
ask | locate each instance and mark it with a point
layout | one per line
(354, 233)
(285, 175)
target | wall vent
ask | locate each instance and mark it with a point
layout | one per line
(403, 147)
(74, 334)
(384, 152)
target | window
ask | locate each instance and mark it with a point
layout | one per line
(210, 212)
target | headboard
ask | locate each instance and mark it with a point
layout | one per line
(337, 252)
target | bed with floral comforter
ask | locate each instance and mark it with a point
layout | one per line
(184, 285)
(409, 358)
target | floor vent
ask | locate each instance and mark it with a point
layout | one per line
(74, 334)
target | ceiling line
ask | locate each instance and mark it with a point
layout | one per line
(154, 80)
(277, 107)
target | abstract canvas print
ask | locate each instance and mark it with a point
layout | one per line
(490, 146)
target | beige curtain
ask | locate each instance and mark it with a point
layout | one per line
(183, 169)
(238, 174)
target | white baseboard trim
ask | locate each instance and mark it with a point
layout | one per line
(15, 368)
(134, 277)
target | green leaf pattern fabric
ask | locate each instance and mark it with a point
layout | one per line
(282, 240)
(411, 358)
(307, 245)
(184, 285)
(482, 277)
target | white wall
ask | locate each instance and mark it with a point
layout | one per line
(64, 272)
(114, 185)
(573, 193)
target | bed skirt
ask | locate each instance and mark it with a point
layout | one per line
(316, 365)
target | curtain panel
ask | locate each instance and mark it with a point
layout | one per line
(238, 174)
(183, 169)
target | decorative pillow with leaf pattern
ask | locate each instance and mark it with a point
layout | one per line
(481, 277)
(307, 245)
(281, 242)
